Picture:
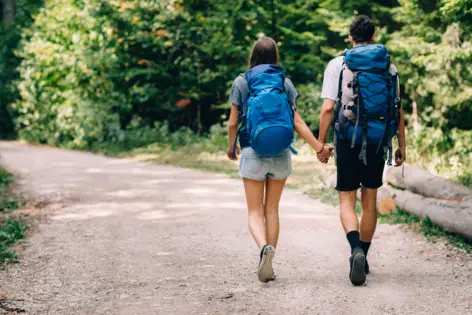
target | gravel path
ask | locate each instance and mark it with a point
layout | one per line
(122, 237)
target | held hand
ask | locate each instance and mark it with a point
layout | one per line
(327, 152)
(400, 156)
(229, 153)
(323, 160)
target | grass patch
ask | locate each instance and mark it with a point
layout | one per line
(5, 178)
(465, 179)
(398, 217)
(8, 201)
(209, 154)
(324, 194)
(187, 157)
(431, 231)
(434, 233)
(10, 232)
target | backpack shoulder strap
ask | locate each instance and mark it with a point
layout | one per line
(344, 52)
(242, 112)
(251, 73)
(394, 72)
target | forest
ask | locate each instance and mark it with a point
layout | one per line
(94, 73)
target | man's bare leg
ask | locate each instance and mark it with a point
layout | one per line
(368, 221)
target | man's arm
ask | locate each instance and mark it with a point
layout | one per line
(326, 118)
(400, 154)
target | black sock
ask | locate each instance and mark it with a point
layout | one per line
(354, 239)
(365, 247)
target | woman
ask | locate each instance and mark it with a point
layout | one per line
(264, 178)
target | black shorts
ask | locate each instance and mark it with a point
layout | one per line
(352, 172)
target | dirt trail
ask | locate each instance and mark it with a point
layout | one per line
(122, 237)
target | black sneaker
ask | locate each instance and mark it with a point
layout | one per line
(357, 262)
(366, 267)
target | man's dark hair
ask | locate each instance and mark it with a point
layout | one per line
(362, 29)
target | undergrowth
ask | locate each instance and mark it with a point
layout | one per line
(11, 230)
(431, 231)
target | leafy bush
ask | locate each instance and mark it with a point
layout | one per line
(10, 231)
(446, 154)
(10, 36)
(5, 177)
(309, 104)
(67, 95)
(92, 68)
(100, 74)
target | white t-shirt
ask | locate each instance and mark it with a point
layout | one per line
(331, 78)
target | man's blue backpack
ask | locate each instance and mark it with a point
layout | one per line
(368, 105)
(267, 116)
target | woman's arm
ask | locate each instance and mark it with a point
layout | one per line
(233, 122)
(302, 129)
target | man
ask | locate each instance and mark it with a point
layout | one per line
(357, 167)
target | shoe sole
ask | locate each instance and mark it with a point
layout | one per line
(358, 275)
(265, 273)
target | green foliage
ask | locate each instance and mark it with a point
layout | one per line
(10, 231)
(325, 194)
(431, 231)
(447, 153)
(89, 74)
(9, 39)
(308, 104)
(8, 201)
(67, 96)
(434, 232)
(399, 217)
(5, 177)
(114, 73)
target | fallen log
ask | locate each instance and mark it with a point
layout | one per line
(419, 181)
(453, 216)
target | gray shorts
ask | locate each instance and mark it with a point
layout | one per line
(254, 167)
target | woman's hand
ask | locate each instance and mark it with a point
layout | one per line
(229, 153)
(325, 154)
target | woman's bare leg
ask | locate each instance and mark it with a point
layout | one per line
(274, 190)
(255, 206)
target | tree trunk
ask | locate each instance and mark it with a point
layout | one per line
(419, 181)
(454, 217)
(9, 11)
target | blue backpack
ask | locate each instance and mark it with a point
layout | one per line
(367, 110)
(267, 116)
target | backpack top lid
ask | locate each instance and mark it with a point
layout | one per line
(372, 57)
(265, 76)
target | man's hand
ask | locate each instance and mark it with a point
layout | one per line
(229, 153)
(400, 156)
(325, 154)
